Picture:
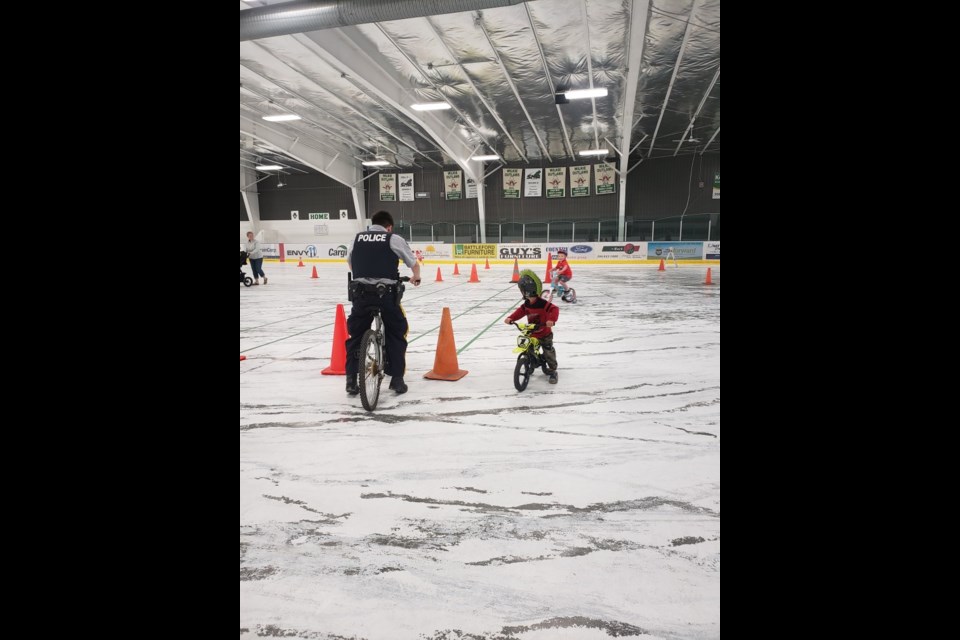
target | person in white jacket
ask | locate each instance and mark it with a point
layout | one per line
(255, 254)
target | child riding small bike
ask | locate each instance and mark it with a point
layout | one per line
(561, 275)
(539, 312)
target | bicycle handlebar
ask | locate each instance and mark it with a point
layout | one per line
(527, 327)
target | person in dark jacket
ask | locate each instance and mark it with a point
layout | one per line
(373, 259)
(538, 311)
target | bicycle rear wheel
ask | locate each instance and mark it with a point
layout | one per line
(371, 370)
(522, 372)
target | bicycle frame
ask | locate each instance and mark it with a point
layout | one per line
(373, 355)
(530, 358)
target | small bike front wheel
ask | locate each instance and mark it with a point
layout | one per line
(371, 370)
(521, 373)
(248, 281)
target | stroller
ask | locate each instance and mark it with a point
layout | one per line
(244, 278)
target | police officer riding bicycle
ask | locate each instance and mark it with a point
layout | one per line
(373, 259)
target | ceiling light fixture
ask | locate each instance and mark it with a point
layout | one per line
(584, 93)
(281, 118)
(268, 167)
(430, 106)
(594, 152)
(374, 163)
(490, 157)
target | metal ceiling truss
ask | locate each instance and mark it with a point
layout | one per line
(693, 118)
(673, 78)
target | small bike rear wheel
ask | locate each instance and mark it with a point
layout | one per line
(521, 373)
(371, 370)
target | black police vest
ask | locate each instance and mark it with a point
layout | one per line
(372, 256)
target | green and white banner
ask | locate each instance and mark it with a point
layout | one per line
(471, 188)
(511, 183)
(606, 179)
(556, 182)
(388, 187)
(453, 185)
(406, 187)
(580, 181)
(532, 183)
(716, 186)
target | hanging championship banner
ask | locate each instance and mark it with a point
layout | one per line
(471, 188)
(406, 187)
(532, 183)
(453, 185)
(716, 186)
(580, 181)
(388, 187)
(556, 182)
(511, 183)
(606, 179)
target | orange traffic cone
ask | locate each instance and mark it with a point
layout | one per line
(445, 365)
(301, 262)
(338, 352)
(709, 279)
(473, 275)
(314, 272)
(661, 265)
(516, 272)
(242, 358)
(456, 268)
(439, 277)
(488, 264)
(549, 277)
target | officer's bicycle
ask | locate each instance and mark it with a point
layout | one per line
(373, 356)
(531, 356)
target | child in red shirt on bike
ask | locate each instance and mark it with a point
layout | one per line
(540, 312)
(561, 275)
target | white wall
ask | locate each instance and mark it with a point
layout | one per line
(302, 231)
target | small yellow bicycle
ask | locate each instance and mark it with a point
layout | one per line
(531, 355)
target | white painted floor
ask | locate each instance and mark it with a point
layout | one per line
(576, 511)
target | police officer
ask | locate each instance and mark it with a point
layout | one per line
(373, 260)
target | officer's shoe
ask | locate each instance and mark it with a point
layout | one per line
(352, 387)
(398, 385)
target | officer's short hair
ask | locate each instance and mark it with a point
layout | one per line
(382, 218)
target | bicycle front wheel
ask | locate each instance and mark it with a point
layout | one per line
(371, 370)
(522, 372)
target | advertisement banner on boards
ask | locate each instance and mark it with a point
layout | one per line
(520, 252)
(325, 251)
(427, 250)
(621, 251)
(681, 250)
(270, 250)
(711, 250)
(474, 251)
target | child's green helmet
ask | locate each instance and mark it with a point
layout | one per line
(529, 284)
